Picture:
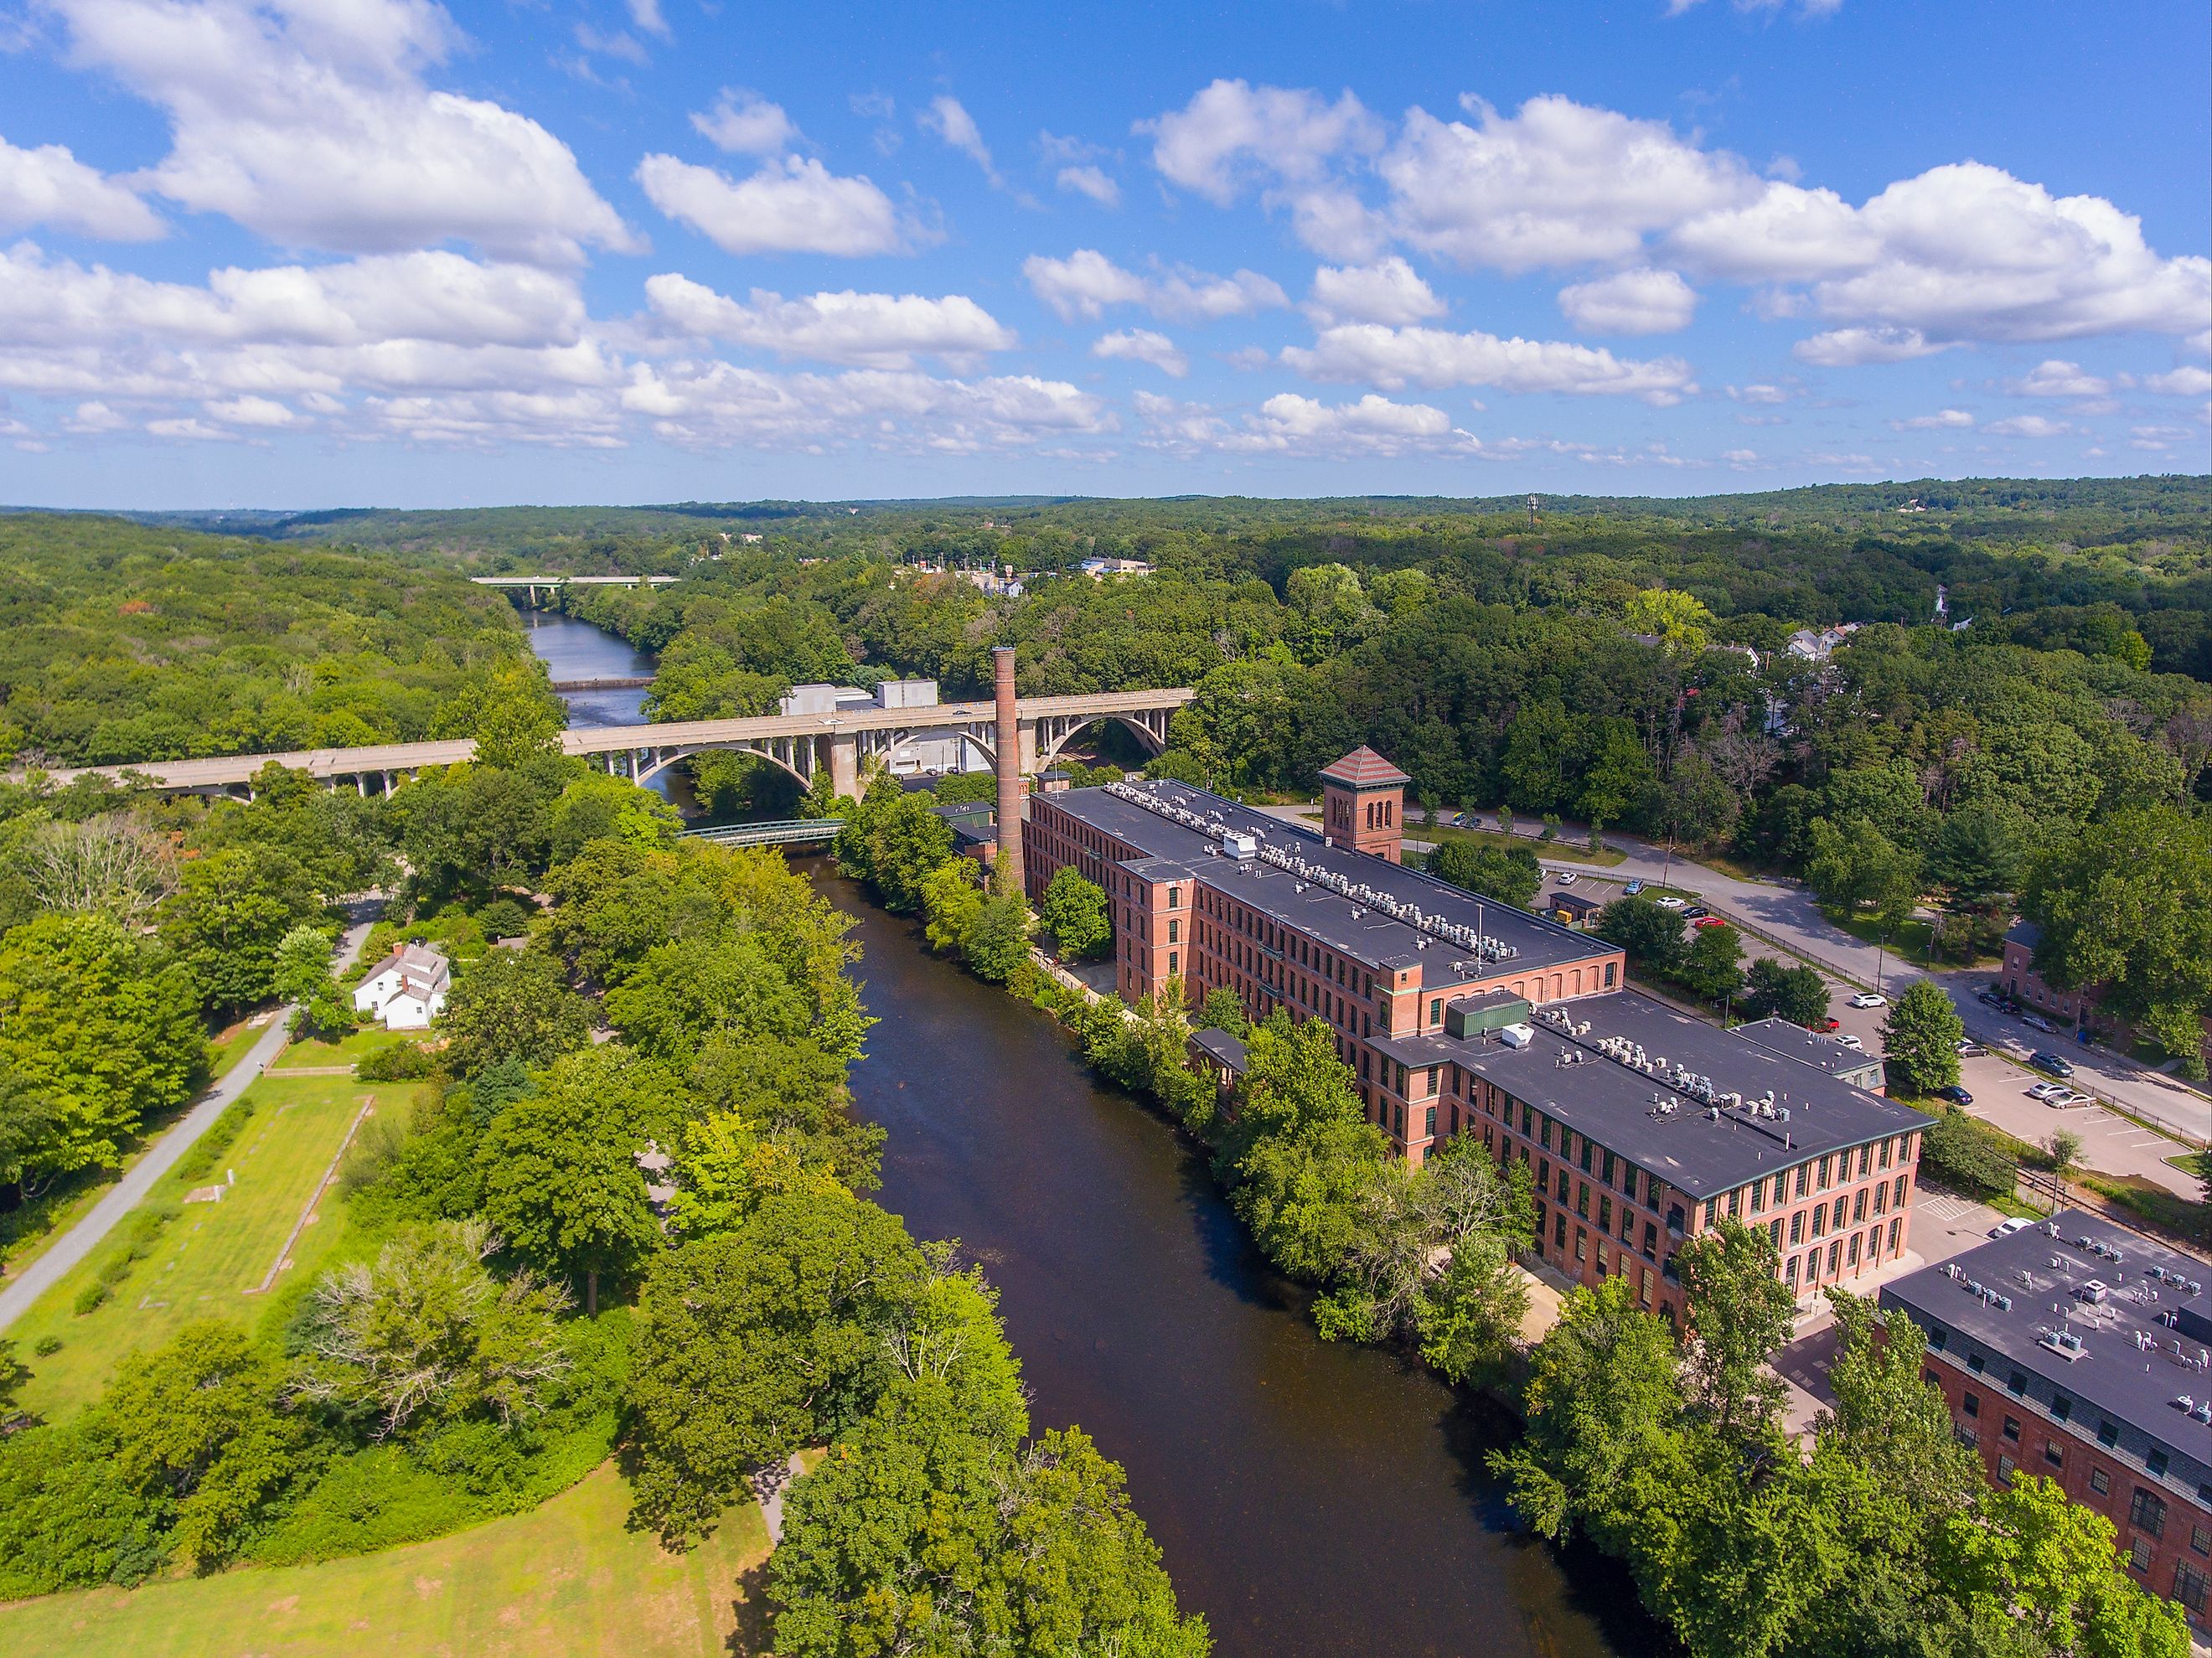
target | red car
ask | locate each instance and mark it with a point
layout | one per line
(1832, 1024)
(1704, 921)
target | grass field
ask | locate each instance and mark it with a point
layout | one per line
(1564, 851)
(345, 1051)
(567, 1580)
(210, 1259)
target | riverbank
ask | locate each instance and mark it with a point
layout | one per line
(1309, 1497)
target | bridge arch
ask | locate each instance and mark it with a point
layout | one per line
(664, 758)
(1154, 742)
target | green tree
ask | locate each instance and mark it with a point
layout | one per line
(1651, 936)
(560, 1180)
(1713, 967)
(1508, 874)
(1682, 623)
(1920, 1039)
(1852, 864)
(231, 910)
(598, 807)
(2127, 907)
(512, 1004)
(302, 977)
(1741, 1316)
(1221, 1010)
(1956, 1152)
(1074, 910)
(1774, 988)
(426, 1333)
(998, 940)
(950, 901)
(99, 1030)
(760, 1341)
(891, 842)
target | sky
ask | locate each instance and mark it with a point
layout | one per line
(302, 254)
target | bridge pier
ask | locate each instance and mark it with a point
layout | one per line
(844, 764)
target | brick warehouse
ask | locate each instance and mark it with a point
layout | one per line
(2082, 1353)
(1642, 1127)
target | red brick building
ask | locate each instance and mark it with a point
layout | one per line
(1459, 1014)
(2083, 1354)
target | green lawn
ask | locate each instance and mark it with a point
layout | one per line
(1565, 851)
(346, 1050)
(210, 1259)
(568, 1580)
(229, 1046)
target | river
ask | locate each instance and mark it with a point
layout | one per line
(1312, 1500)
(1309, 1498)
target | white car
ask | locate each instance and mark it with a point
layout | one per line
(1670, 902)
(2006, 1228)
(1566, 877)
(1870, 998)
(2044, 1091)
(1972, 1050)
(2065, 1098)
(1848, 1040)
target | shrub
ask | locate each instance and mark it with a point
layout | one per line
(396, 1062)
(1962, 1155)
(205, 1152)
(46, 1346)
(503, 918)
(90, 1299)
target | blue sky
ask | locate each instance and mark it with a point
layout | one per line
(314, 252)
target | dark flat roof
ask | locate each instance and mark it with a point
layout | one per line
(1232, 1052)
(1613, 1101)
(1372, 937)
(2133, 1385)
(1807, 1048)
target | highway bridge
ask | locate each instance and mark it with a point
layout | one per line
(847, 743)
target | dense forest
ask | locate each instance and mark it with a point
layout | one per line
(125, 642)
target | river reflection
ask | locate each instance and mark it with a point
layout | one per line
(1309, 1498)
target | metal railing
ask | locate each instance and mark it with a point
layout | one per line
(790, 832)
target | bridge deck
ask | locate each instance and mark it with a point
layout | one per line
(385, 758)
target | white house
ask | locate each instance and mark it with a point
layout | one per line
(406, 989)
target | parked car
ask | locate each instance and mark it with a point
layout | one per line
(2058, 1065)
(1849, 1038)
(1832, 1024)
(1633, 887)
(1989, 998)
(1972, 1050)
(1955, 1094)
(1870, 998)
(1670, 902)
(2007, 1227)
(1566, 877)
(2037, 1021)
(1710, 921)
(2044, 1091)
(2064, 1099)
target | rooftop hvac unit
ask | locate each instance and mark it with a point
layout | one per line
(1517, 1035)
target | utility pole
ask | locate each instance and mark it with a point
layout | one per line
(1532, 512)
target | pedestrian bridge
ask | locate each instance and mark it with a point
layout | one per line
(793, 832)
(847, 744)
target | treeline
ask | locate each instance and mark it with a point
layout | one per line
(124, 643)
(660, 1241)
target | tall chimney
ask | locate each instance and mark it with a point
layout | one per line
(1009, 746)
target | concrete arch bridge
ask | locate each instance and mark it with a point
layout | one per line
(845, 743)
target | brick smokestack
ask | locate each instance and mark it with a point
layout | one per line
(1009, 746)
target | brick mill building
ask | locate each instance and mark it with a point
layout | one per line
(1459, 1014)
(2083, 1354)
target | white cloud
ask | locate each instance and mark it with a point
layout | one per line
(1393, 357)
(2029, 426)
(2186, 381)
(1767, 395)
(949, 120)
(1143, 345)
(2158, 440)
(253, 411)
(49, 185)
(1558, 184)
(743, 124)
(794, 205)
(646, 14)
(1851, 347)
(1390, 291)
(2055, 378)
(877, 330)
(1086, 282)
(619, 45)
(1943, 420)
(1643, 301)
(1807, 8)
(1287, 423)
(1781, 233)
(1232, 134)
(190, 428)
(312, 125)
(707, 404)
(1091, 181)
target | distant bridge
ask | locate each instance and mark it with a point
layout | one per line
(798, 831)
(617, 683)
(845, 743)
(530, 584)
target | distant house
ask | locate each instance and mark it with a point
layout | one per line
(1099, 568)
(1810, 647)
(406, 989)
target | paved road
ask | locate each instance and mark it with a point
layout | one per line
(128, 1193)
